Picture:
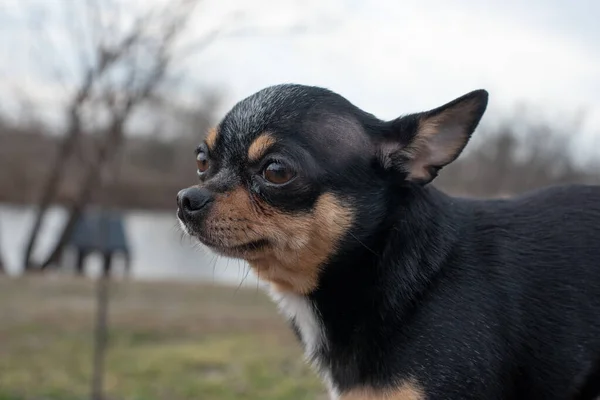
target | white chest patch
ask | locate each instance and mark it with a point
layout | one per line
(297, 308)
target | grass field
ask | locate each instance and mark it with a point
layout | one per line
(167, 341)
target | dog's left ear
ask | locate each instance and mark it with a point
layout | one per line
(419, 145)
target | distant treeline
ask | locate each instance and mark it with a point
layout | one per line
(150, 170)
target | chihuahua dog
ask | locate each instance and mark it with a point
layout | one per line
(395, 289)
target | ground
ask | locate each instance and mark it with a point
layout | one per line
(168, 341)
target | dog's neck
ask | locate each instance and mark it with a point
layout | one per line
(396, 265)
(376, 279)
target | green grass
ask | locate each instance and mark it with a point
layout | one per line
(167, 341)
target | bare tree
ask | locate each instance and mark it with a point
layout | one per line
(125, 71)
(66, 147)
(518, 156)
(106, 58)
(120, 107)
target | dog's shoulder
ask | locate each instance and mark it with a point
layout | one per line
(548, 219)
(573, 198)
(570, 194)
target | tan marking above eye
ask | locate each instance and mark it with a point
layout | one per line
(259, 146)
(211, 138)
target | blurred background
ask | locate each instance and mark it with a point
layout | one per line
(102, 103)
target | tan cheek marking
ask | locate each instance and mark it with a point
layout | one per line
(259, 146)
(307, 242)
(211, 138)
(407, 391)
(299, 243)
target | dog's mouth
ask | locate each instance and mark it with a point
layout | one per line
(246, 250)
(247, 247)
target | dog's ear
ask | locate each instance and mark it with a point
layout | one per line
(419, 145)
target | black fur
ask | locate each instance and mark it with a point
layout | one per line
(476, 299)
(473, 299)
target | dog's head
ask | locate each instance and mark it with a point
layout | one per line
(294, 174)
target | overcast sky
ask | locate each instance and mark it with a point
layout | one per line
(387, 56)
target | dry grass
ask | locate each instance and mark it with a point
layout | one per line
(167, 341)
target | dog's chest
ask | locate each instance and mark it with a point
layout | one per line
(298, 310)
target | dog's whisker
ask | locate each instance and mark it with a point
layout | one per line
(242, 281)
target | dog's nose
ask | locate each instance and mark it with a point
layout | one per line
(194, 199)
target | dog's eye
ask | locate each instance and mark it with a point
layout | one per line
(277, 173)
(202, 162)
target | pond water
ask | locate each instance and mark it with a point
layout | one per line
(159, 250)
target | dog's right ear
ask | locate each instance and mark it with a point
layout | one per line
(417, 146)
